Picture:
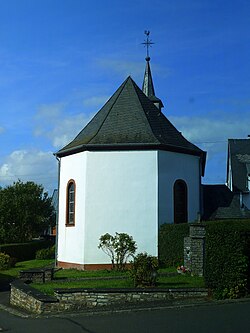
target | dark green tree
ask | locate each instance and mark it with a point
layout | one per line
(25, 212)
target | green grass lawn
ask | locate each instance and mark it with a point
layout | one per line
(22, 265)
(178, 281)
(76, 274)
(72, 278)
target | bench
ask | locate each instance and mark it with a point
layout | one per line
(40, 275)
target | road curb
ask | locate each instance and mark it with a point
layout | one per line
(13, 311)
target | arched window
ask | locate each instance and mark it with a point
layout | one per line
(180, 202)
(70, 204)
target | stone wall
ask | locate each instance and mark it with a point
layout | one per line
(94, 298)
(30, 299)
(194, 249)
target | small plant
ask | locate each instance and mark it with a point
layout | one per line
(144, 270)
(119, 248)
(6, 261)
(48, 253)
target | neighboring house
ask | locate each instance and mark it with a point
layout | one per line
(231, 201)
(238, 169)
(129, 170)
(220, 203)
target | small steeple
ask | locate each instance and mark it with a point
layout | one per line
(148, 86)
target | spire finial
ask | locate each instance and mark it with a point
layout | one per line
(147, 43)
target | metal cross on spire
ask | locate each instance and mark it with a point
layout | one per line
(147, 43)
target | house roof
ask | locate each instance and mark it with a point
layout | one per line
(239, 157)
(130, 120)
(220, 203)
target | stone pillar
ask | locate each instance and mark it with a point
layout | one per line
(194, 249)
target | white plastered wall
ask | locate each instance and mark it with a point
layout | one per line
(71, 239)
(115, 192)
(121, 196)
(122, 191)
(173, 166)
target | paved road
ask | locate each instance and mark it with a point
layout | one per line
(223, 318)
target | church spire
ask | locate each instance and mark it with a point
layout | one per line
(148, 86)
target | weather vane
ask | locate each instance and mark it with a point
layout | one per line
(147, 43)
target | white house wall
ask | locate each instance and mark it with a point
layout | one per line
(173, 166)
(115, 192)
(121, 191)
(71, 238)
(121, 196)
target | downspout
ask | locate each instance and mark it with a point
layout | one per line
(57, 213)
(200, 213)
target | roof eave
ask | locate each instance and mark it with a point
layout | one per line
(128, 146)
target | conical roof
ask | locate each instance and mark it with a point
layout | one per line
(148, 86)
(130, 121)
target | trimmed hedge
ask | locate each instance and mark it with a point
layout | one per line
(48, 253)
(227, 254)
(227, 258)
(25, 251)
(171, 244)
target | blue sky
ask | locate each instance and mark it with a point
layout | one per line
(61, 60)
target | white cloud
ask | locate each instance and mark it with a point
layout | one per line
(120, 66)
(67, 129)
(56, 124)
(95, 101)
(37, 166)
(210, 133)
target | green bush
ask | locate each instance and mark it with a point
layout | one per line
(171, 244)
(144, 270)
(227, 258)
(25, 251)
(6, 261)
(48, 253)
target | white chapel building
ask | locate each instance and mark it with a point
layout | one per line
(129, 170)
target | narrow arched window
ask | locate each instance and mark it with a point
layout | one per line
(180, 202)
(70, 206)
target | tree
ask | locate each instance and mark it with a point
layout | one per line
(119, 248)
(25, 212)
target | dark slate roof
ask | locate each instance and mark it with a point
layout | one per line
(220, 203)
(239, 154)
(130, 120)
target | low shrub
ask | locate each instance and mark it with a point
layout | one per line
(144, 270)
(6, 261)
(227, 258)
(171, 244)
(25, 251)
(48, 253)
(119, 248)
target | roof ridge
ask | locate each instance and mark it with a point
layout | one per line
(137, 90)
(104, 119)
